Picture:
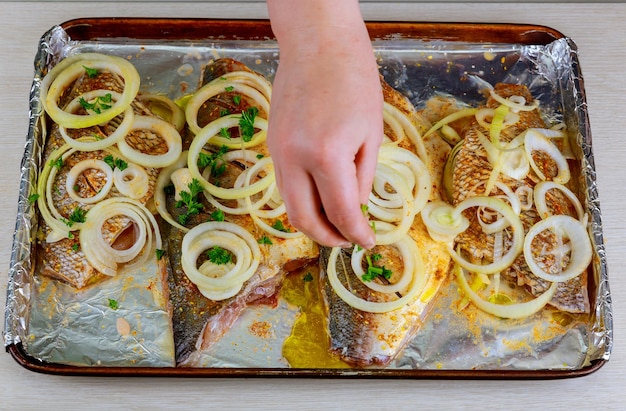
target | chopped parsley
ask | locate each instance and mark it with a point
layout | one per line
(237, 99)
(265, 240)
(159, 253)
(375, 271)
(189, 199)
(78, 216)
(246, 123)
(91, 72)
(114, 162)
(217, 215)
(278, 225)
(229, 88)
(113, 304)
(225, 132)
(75, 247)
(99, 105)
(214, 160)
(260, 156)
(224, 112)
(218, 255)
(364, 209)
(308, 277)
(33, 198)
(58, 163)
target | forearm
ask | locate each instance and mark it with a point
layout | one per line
(308, 25)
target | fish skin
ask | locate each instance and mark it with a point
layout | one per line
(198, 321)
(60, 260)
(473, 169)
(374, 339)
(363, 338)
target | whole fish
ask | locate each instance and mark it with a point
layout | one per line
(471, 173)
(363, 338)
(199, 321)
(63, 259)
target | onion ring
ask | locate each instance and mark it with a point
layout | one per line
(511, 311)
(581, 252)
(230, 237)
(162, 128)
(539, 197)
(416, 287)
(518, 234)
(68, 70)
(81, 167)
(133, 181)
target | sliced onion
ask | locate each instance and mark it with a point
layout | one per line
(80, 168)
(46, 206)
(388, 233)
(457, 115)
(93, 144)
(561, 226)
(231, 237)
(535, 141)
(395, 126)
(254, 209)
(539, 196)
(482, 114)
(250, 79)
(416, 287)
(176, 115)
(133, 181)
(515, 163)
(421, 182)
(512, 311)
(407, 248)
(163, 180)
(507, 212)
(245, 156)
(232, 120)
(204, 137)
(500, 223)
(525, 196)
(214, 88)
(515, 103)
(70, 69)
(100, 253)
(442, 222)
(410, 130)
(161, 128)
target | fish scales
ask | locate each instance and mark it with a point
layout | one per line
(471, 173)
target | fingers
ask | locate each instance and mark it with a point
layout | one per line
(365, 162)
(341, 198)
(304, 207)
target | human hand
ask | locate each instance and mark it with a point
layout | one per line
(325, 125)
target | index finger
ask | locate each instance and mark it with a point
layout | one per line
(341, 199)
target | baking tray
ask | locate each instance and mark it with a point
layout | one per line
(394, 38)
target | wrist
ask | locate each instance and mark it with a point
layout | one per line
(312, 24)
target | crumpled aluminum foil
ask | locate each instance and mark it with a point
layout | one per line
(55, 326)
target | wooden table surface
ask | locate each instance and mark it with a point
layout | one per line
(597, 29)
